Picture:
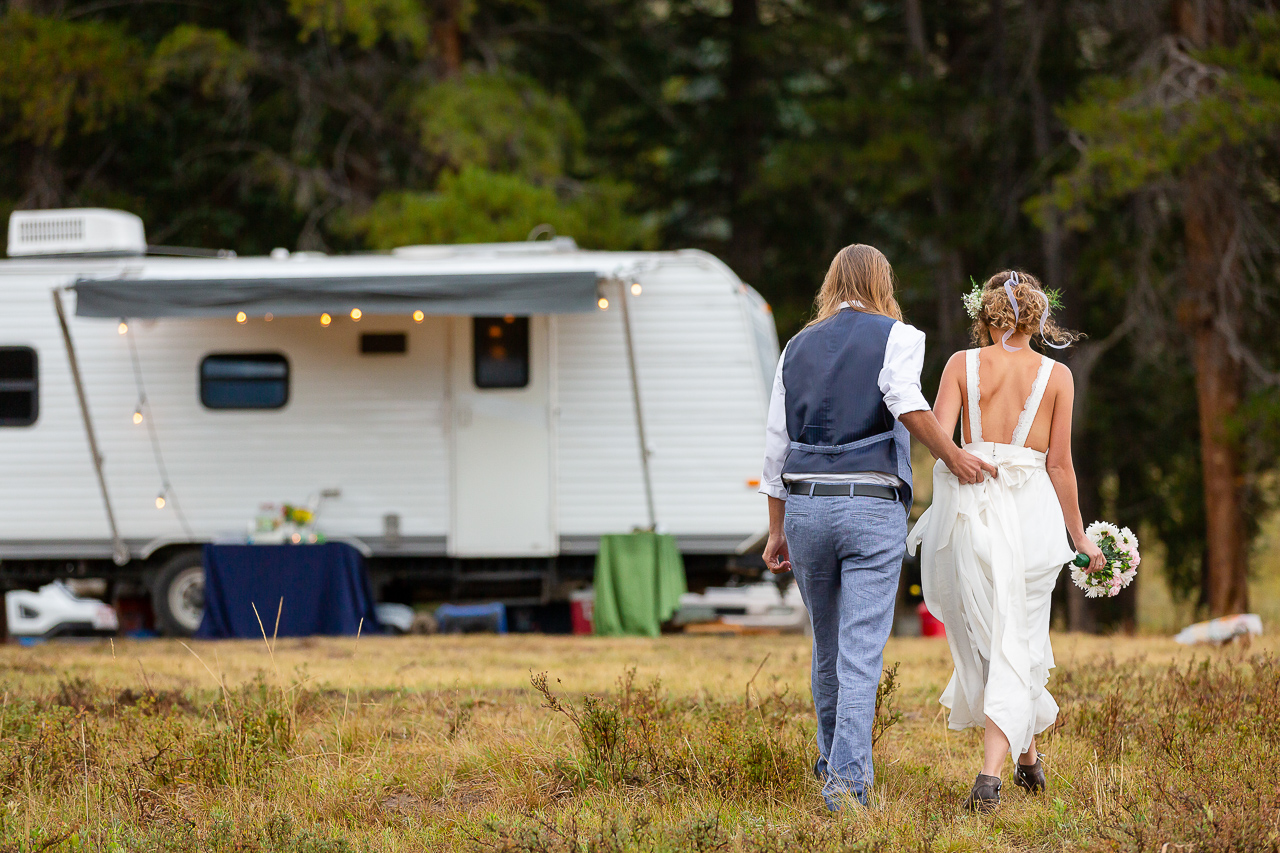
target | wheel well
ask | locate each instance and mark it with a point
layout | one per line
(162, 557)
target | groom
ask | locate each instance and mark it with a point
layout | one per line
(837, 471)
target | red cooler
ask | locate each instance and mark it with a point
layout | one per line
(929, 624)
(581, 606)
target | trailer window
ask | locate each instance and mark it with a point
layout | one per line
(501, 352)
(19, 387)
(244, 381)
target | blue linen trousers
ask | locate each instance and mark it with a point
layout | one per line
(846, 554)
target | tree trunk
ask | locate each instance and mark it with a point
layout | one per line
(948, 270)
(746, 128)
(1209, 224)
(1053, 234)
(448, 38)
(43, 178)
(1210, 314)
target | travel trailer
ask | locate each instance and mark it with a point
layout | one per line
(471, 417)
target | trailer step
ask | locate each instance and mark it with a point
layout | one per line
(498, 576)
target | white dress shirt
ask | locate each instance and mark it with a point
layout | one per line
(899, 382)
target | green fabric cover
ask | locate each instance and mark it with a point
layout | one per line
(639, 581)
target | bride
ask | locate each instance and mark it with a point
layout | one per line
(991, 552)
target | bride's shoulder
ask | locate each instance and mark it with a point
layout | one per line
(1060, 378)
(955, 365)
(957, 360)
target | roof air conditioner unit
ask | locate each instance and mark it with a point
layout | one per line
(78, 231)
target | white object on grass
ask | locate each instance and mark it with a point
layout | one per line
(757, 605)
(397, 617)
(54, 610)
(1220, 630)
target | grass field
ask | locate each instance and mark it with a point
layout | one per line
(689, 743)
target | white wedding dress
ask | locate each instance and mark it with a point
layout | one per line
(990, 556)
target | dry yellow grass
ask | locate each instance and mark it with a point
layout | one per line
(394, 744)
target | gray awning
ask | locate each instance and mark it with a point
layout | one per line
(461, 294)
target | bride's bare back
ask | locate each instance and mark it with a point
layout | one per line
(1005, 381)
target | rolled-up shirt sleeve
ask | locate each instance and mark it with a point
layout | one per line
(900, 375)
(776, 440)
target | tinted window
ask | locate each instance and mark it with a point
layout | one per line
(384, 343)
(244, 381)
(19, 387)
(502, 352)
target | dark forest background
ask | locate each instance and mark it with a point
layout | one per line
(1126, 151)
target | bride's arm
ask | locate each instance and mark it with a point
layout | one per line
(946, 407)
(1062, 472)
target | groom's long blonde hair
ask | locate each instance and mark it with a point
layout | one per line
(858, 273)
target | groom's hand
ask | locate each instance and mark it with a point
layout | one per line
(776, 555)
(969, 469)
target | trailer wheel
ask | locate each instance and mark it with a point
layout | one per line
(177, 595)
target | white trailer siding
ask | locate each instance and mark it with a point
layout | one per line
(378, 426)
(47, 486)
(372, 426)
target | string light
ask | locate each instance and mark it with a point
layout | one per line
(356, 314)
(242, 317)
(137, 414)
(418, 316)
(603, 303)
(123, 328)
(160, 501)
(325, 319)
(269, 317)
(635, 288)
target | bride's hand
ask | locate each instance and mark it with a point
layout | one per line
(1097, 561)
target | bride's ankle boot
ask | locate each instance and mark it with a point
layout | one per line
(985, 795)
(1030, 777)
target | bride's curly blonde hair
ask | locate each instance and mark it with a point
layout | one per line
(996, 311)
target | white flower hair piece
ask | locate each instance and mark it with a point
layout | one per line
(973, 300)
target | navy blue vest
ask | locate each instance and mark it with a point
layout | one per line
(836, 417)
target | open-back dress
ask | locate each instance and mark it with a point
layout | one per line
(990, 554)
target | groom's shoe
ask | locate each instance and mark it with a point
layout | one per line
(1030, 777)
(985, 795)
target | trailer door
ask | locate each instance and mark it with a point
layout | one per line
(502, 483)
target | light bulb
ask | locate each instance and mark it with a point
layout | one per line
(137, 414)
(268, 317)
(635, 288)
(160, 501)
(603, 303)
(297, 538)
(356, 315)
(325, 319)
(242, 317)
(418, 316)
(123, 328)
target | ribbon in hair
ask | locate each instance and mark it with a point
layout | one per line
(1013, 300)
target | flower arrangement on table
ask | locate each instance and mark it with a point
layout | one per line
(278, 524)
(1120, 548)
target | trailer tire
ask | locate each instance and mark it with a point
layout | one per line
(177, 594)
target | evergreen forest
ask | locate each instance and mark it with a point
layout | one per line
(1125, 151)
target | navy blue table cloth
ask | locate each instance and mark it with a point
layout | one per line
(325, 590)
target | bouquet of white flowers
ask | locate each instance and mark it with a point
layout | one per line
(1120, 547)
